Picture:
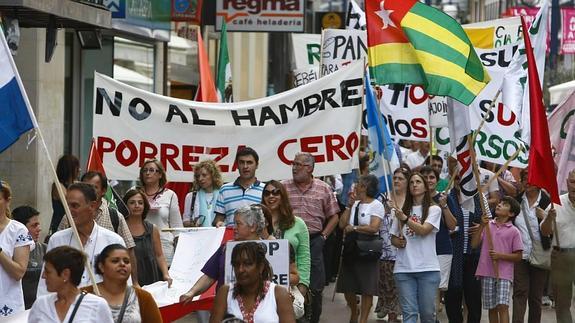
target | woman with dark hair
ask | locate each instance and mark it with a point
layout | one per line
(152, 266)
(250, 224)
(253, 298)
(388, 302)
(63, 269)
(288, 226)
(30, 217)
(359, 276)
(128, 304)
(15, 245)
(164, 209)
(416, 269)
(67, 170)
(200, 204)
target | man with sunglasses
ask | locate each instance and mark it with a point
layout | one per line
(245, 190)
(314, 202)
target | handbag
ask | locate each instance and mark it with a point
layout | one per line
(359, 246)
(538, 257)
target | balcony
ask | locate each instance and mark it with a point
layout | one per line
(78, 14)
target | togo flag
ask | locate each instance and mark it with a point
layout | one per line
(412, 43)
(16, 115)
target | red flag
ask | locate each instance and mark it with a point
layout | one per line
(207, 87)
(541, 166)
(181, 189)
(94, 161)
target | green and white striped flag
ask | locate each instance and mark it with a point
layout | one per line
(224, 77)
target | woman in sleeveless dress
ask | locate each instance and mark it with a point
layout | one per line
(152, 266)
(253, 298)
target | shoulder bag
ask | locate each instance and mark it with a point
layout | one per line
(538, 257)
(359, 246)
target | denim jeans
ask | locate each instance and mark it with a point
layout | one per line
(417, 295)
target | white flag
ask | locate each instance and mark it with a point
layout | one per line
(355, 17)
(459, 129)
(515, 91)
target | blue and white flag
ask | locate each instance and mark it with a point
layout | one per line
(384, 160)
(16, 116)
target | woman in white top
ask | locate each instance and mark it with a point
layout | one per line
(63, 269)
(360, 276)
(416, 269)
(164, 210)
(253, 298)
(200, 204)
(15, 245)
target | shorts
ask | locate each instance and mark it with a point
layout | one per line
(445, 270)
(495, 292)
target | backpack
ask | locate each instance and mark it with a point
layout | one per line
(114, 217)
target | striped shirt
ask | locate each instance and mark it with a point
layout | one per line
(233, 196)
(315, 205)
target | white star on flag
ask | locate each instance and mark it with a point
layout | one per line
(384, 15)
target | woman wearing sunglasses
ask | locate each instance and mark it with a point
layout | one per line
(152, 266)
(200, 203)
(164, 209)
(288, 226)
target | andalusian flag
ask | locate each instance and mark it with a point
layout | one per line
(224, 77)
(412, 43)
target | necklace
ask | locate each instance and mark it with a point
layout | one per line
(249, 316)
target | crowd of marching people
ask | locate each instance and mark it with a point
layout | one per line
(420, 247)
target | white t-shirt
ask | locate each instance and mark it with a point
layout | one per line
(14, 235)
(93, 309)
(366, 211)
(99, 239)
(419, 254)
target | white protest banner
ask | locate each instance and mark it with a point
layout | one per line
(266, 16)
(437, 111)
(340, 47)
(561, 122)
(303, 76)
(131, 125)
(194, 249)
(277, 253)
(306, 49)
(405, 110)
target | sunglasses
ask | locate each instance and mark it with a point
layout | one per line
(275, 192)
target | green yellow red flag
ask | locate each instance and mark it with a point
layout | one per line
(412, 43)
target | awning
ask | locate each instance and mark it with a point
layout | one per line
(68, 13)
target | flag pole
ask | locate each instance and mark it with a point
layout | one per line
(484, 119)
(61, 193)
(505, 166)
(481, 202)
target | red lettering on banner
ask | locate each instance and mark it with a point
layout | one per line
(147, 151)
(309, 145)
(166, 156)
(420, 99)
(188, 158)
(465, 162)
(105, 145)
(128, 146)
(418, 125)
(282, 148)
(221, 152)
(333, 146)
(500, 118)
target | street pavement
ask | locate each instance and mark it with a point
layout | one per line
(337, 311)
